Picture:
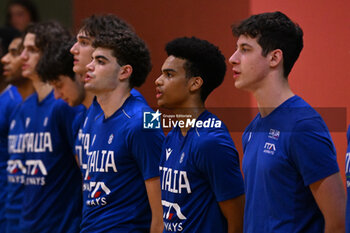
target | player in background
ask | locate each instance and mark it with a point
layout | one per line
(201, 182)
(21, 88)
(52, 191)
(123, 163)
(292, 178)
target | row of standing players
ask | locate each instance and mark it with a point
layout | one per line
(132, 179)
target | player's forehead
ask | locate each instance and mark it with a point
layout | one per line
(82, 34)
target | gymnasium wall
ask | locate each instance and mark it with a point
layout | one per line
(320, 75)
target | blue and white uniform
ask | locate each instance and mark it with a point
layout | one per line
(9, 99)
(347, 173)
(52, 191)
(197, 171)
(122, 155)
(284, 153)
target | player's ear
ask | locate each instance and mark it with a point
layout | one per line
(125, 72)
(195, 83)
(275, 57)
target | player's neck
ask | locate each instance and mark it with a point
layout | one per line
(192, 110)
(272, 95)
(89, 97)
(3, 86)
(25, 88)
(111, 101)
(42, 89)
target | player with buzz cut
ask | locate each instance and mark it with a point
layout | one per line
(52, 190)
(123, 157)
(201, 182)
(292, 178)
(19, 89)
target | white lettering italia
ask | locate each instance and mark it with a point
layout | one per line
(101, 161)
(30, 142)
(175, 181)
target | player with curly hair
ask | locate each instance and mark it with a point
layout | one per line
(201, 182)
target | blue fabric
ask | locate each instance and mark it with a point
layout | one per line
(122, 155)
(52, 190)
(9, 100)
(198, 171)
(347, 173)
(284, 153)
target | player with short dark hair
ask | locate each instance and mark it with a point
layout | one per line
(123, 158)
(52, 190)
(202, 186)
(292, 178)
(19, 90)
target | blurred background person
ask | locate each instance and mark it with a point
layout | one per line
(20, 13)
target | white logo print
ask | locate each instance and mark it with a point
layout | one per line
(274, 134)
(177, 209)
(182, 157)
(168, 152)
(34, 166)
(45, 121)
(13, 123)
(27, 121)
(110, 139)
(270, 148)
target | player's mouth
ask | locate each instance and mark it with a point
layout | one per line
(158, 93)
(76, 61)
(88, 77)
(236, 73)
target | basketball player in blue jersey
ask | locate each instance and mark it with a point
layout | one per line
(123, 158)
(292, 178)
(347, 173)
(21, 89)
(201, 182)
(52, 191)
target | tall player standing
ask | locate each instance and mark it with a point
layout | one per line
(292, 178)
(123, 157)
(10, 100)
(52, 191)
(202, 185)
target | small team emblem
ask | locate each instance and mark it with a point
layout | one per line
(110, 139)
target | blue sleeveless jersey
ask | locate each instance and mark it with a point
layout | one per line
(197, 171)
(52, 190)
(9, 100)
(121, 156)
(284, 153)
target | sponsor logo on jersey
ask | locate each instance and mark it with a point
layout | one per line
(269, 148)
(36, 172)
(171, 211)
(98, 193)
(151, 120)
(16, 171)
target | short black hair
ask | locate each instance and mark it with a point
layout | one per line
(29, 5)
(56, 60)
(129, 49)
(274, 31)
(203, 59)
(7, 35)
(49, 37)
(95, 24)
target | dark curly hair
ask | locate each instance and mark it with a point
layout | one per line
(49, 36)
(203, 59)
(129, 49)
(274, 31)
(29, 5)
(96, 24)
(56, 60)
